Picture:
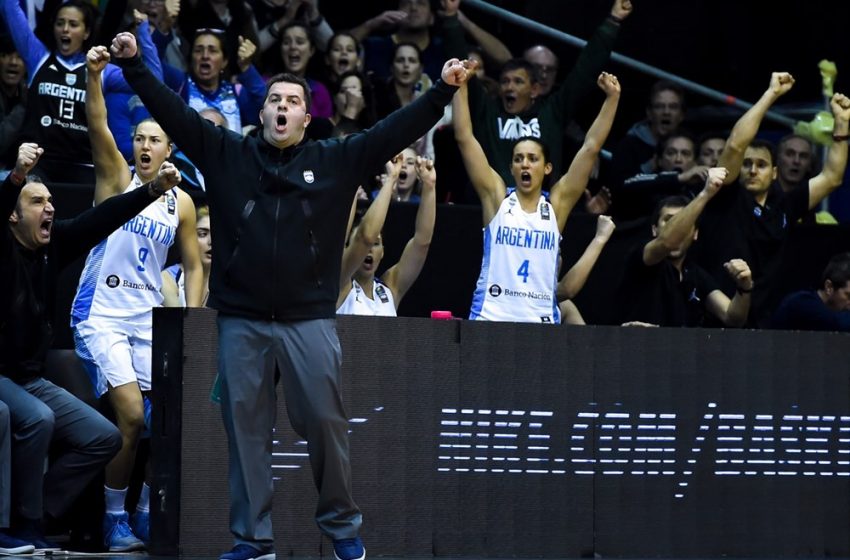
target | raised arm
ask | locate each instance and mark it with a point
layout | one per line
(367, 232)
(488, 185)
(26, 43)
(595, 54)
(747, 126)
(111, 172)
(573, 281)
(187, 129)
(489, 43)
(830, 178)
(672, 234)
(28, 155)
(190, 253)
(733, 312)
(80, 234)
(401, 276)
(570, 187)
(385, 20)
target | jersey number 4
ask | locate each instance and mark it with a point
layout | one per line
(523, 271)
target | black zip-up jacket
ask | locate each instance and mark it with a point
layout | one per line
(28, 278)
(279, 216)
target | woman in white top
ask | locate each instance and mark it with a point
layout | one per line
(521, 228)
(360, 292)
(111, 314)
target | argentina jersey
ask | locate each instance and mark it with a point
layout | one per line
(122, 275)
(519, 269)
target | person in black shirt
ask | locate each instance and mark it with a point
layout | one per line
(751, 220)
(33, 251)
(280, 206)
(825, 309)
(665, 288)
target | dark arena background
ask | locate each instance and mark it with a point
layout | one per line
(508, 440)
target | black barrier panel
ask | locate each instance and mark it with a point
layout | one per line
(501, 440)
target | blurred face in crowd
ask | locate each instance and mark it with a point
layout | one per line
(794, 161)
(208, 60)
(757, 172)
(546, 63)
(407, 175)
(12, 71)
(665, 113)
(516, 90)
(407, 68)
(419, 15)
(342, 55)
(214, 117)
(710, 150)
(296, 50)
(667, 213)
(32, 220)
(350, 85)
(204, 239)
(678, 155)
(151, 147)
(372, 260)
(69, 30)
(529, 167)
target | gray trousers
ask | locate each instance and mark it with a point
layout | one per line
(5, 466)
(308, 356)
(42, 414)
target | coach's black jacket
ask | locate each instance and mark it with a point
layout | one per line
(279, 216)
(28, 278)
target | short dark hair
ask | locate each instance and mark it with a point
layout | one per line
(765, 145)
(666, 85)
(837, 270)
(680, 133)
(6, 44)
(673, 201)
(793, 136)
(711, 135)
(290, 79)
(521, 64)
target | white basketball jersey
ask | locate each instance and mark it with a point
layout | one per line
(519, 269)
(357, 303)
(122, 276)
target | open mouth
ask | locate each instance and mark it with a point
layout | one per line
(281, 120)
(343, 64)
(368, 260)
(45, 227)
(145, 158)
(204, 67)
(402, 175)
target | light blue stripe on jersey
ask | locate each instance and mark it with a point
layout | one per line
(481, 287)
(88, 284)
(556, 310)
(88, 364)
